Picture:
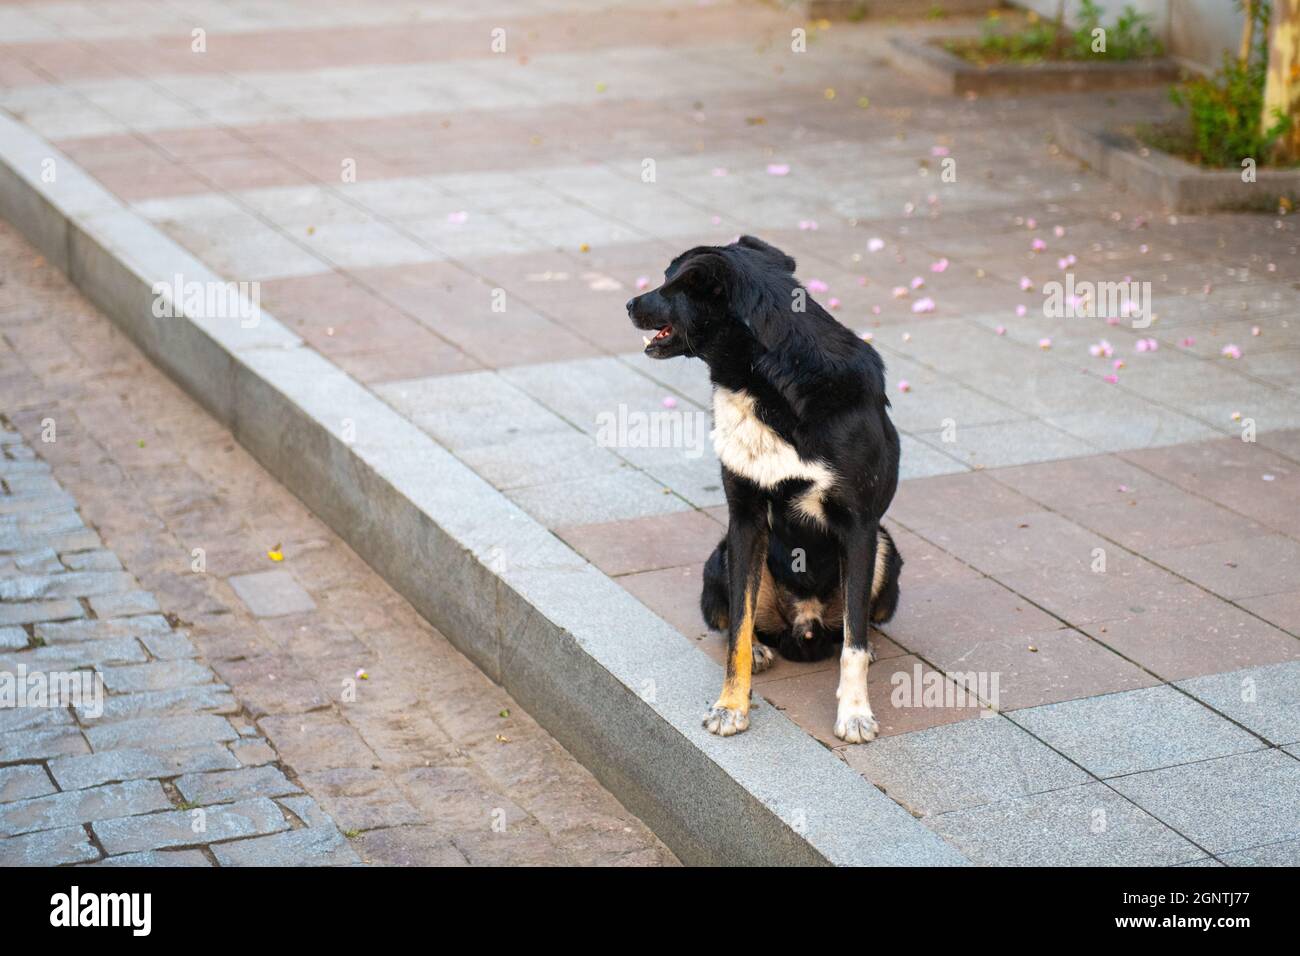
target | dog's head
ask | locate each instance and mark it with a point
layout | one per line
(709, 290)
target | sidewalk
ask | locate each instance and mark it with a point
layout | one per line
(485, 178)
(235, 693)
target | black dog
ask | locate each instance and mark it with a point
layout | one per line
(809, 465)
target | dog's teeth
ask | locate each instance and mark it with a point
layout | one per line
(645, 339)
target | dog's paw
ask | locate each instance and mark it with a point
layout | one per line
(856, 725)
(763, 657)
(725, 721)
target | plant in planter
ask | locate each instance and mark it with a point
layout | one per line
(1227, 117)
(1129, 38)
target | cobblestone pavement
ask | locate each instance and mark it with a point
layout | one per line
(233, 698)
(391, 182)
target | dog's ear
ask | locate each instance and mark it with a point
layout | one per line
(702, 274)
(772, 252)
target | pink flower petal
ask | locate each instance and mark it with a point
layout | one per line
(817, 285)
(923, 305)
(940, 266)
(875, 244)
(904, 385)
(642, 283)
(669, 402)
(778, 169)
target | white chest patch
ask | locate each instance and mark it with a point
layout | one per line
(751, 449)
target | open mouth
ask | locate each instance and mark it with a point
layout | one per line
(660, 338)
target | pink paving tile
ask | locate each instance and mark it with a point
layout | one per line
(1041, 667)
(459, 307)
(953, 499)
(645, 544)
(1015, 542)
(1075, 482)
(233, 173)
(1128, 585)
(940, 614)
(1165, 521)
(673, 594)
(1244, 477)
(1282, 610)
(897, 699)
(366, 335)
(1199, 635)
(1241, 568)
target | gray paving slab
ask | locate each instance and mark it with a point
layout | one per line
(312, 846)
(24, 781)
(1286, 853)
(1087, 825)
(471, 410)
(271, 593)
(161, 732)
(1012, 443)
(1135, 730)
(167, 858)
(48, 848)
(78, 771)
(82, 806)
(965, 764)
(178, 828)
(1226, 804)
(226, 786)
(627, 493)
(1265, 699)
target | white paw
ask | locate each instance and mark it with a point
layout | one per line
(763, 657)
(725, 721)
(856, 725)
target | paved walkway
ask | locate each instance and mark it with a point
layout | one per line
(294, 711)
(458, 229)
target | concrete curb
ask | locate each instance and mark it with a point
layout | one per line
(615, 684)
(1176, 184)
(856, 10)
(951, 74)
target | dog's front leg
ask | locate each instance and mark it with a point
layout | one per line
(746, 550)
(854, 722)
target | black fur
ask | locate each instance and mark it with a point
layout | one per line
(821, 389)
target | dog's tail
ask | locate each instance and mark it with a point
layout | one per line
(884, 582)
(714, 600)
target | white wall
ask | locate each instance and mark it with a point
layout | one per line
(1195, 30)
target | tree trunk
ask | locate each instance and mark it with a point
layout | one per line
(1282, 87)
(1247, 32)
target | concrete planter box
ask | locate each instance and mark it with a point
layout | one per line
(900, 9)
(952, 74)
(1174, 183)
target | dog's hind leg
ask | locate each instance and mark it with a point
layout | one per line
(884, 581)
(854, 721)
